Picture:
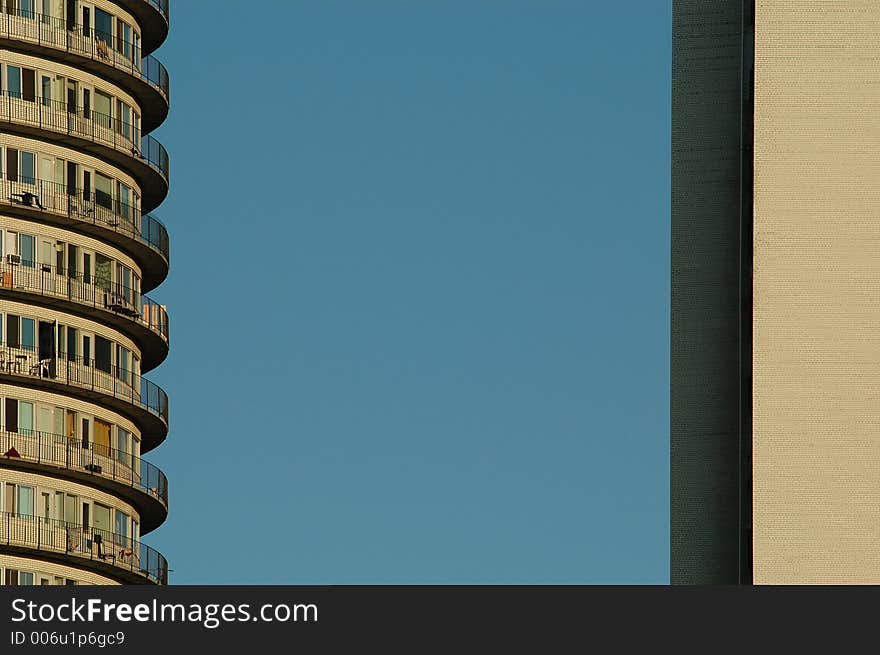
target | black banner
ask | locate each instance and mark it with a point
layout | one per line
(460, 619)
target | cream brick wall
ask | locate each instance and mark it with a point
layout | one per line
(46, 314)
(37, 396)
(48, 66)
(49, 569)
(69, 154)
(48, 483)
(60, 234)
(816, 421)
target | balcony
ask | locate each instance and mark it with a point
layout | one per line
(103, 136)
(93, 380)
(138, 482)
(152, 16)
(114, 555)
(98, 215)
(105, 55)
(142, 319)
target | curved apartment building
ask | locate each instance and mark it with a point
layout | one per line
(79, 251)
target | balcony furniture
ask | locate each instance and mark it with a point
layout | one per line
(41, 368)
(102, 49)
(27, 199)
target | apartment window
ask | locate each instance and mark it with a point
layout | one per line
(27, 248)
(70, 505)
(19, 500)
(45, 90)
(123, 38)
(21, 166)
(72, 257)
(72, 334)
(124, 281)
(25, 418)
(124, 208)
(103, 26)
(71, 14)
(14, 577)
(21, 83)
(123, 445)
(13, 331)
(70, 424)
(103, 271)
(103, 354)
(101, 517)
(103, 109)
(11, 416)
(25, 506)
(13, 81)
(123, 119)
(103, 191)
(122, 364)
(121, 523)
(28, 167)
(102, 437)
(20, 332)
(45, 506)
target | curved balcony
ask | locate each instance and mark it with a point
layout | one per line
(93, 380)
(142, 319)
(95, 214)
(105, 55)
(152, 16)
(122, 474)
(117, 556)
(103, 136)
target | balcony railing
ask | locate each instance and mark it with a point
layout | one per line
(101, 46)
(82, 542)
(83, 122)
(73, 454)
(98, 375)
(161, 5)
(87, 206)
(46, 280)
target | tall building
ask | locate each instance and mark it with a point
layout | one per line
(79, 175)
(775, 380)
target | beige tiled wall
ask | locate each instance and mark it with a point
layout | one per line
(816, 425)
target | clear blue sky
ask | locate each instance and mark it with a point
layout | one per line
(419, 292)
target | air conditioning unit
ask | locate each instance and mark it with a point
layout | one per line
(13, 259)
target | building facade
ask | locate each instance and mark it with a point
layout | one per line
(775, 419)
(79, 248)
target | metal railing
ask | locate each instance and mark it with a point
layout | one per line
(99, 375)
(161, 5)
(87, 206)
(57, 116)
(84, 289)
(87, 42)
(72, 454)
(84, 542)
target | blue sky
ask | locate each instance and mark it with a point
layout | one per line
(419, 292)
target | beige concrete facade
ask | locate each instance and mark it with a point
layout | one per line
(816, 352)
(80, 91)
